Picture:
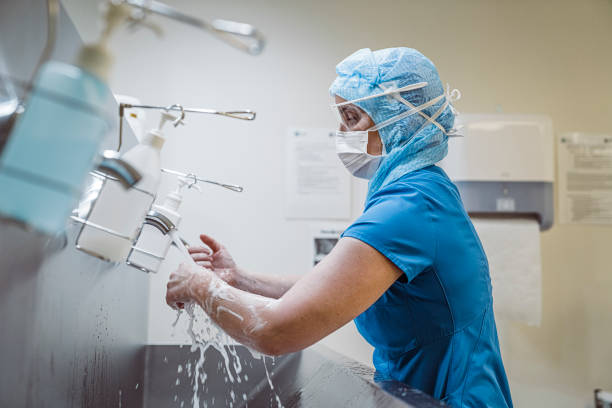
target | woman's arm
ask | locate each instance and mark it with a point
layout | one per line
(272, 286)
(348, 280)
(217, 258)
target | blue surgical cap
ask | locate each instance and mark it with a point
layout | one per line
(408, 149)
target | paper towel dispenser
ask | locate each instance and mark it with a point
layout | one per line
(504, 164)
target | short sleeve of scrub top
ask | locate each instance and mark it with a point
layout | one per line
(397, 223)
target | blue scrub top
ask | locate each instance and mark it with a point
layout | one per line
(434, 328)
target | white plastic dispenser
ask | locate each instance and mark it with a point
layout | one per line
(117, 215)
(504, 165)
(154, 241)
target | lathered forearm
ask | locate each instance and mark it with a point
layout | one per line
(247, 317)
(271, 286)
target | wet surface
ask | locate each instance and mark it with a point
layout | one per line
(72, 330)
(170, 377)
(315, 377)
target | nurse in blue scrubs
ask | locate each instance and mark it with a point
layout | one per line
(410, 270)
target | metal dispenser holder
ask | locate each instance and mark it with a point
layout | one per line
(113, 170)
(164, 225)
(83, 211)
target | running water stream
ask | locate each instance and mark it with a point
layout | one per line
(205, 334)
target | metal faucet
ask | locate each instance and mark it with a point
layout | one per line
(162, 223)
(114, 166)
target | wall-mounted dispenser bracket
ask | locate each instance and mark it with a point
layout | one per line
(242, 114)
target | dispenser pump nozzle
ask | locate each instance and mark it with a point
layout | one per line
(175, 198)
(165, 117)
(96, 58)
(155, 137)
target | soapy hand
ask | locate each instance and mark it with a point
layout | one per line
(217, 258)
(184, 283)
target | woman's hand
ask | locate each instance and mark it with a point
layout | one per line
(217, 258)
(183, 284)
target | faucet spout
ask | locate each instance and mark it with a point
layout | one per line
(159, 221)
(112, 165)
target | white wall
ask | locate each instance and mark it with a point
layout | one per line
(514, 56)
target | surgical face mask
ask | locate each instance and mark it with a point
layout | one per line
(351, 148)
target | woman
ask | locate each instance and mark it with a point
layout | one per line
(411, 270)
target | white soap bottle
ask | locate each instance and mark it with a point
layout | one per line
(153, 244)
(121, 210)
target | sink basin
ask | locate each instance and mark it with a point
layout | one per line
(316, 377)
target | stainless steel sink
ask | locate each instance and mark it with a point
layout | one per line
(316, 377)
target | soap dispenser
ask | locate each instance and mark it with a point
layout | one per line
(155, 238)
(54, 142)
(117, 215)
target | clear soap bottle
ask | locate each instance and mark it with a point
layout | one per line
(55, 141)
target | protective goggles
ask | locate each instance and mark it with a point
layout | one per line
(352, 117)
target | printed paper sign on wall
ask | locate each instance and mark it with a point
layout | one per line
(585, 178)
(317, 186)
